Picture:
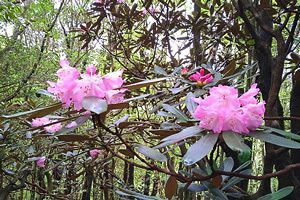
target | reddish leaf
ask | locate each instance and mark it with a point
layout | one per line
(171, 187)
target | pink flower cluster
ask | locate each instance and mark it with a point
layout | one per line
(152, 10)
(94, 153)
(41, 162)
(223, 110)
(201, 78)
(72, 87)
(44, 121)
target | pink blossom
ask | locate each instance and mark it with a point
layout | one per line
(120, 1)
(201, 78)
(72, 125)
(44, 121)
(40, 122)
(41, 162)
(223, 110)
(115, 96)
(112, 80)
(85, 87)
(184, 71)
(72, 87)
(91, 69)
(152, 10)
(95, 153)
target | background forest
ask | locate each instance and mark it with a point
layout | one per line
(145, 143)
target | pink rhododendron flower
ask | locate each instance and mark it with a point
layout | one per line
(184, 71)
(72, 125)
(41, 162)
(223, 110)
(72, 87)
(95, 153)
(115, 96)
(201, 78)
(120, 1)
(44, 121)
(112, 80)
(152, 10)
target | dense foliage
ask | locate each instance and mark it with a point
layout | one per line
(166, 99)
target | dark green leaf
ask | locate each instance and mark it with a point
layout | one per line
(274, 139)
(235, 142)
(280, 194)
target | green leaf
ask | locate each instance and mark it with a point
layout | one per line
(40, 112)
(190, 104)
(176, 112)
(126, 192)
(280, 194)
(235, 142)
(45, 92)
(284, 133)
(274, 139)
(200, 149)
(151, 153)
(94, 104)
(160, 70)
(185, 133)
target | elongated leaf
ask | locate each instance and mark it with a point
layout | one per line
(235, 142)
(284, 133)
(40, 112)
(235, 180)
(171, 187)
(280, 194)
(144, 83)
(126, 192)
(73, 138)
(191, 105)
(185, 133)
(163, 144)
(200, 149)
(94, 104)
(227, 166)
(175, 111)
(197, 187)
(274, 139)
(160, 70)
(151, 153)
(45, 92)
(177, 90)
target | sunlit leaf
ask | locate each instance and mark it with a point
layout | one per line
(160, 70)
(94, 104)
(175, 111)
(200, 149)
(39, 112)
(185, 133)
(151, 153)
(191, 105)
